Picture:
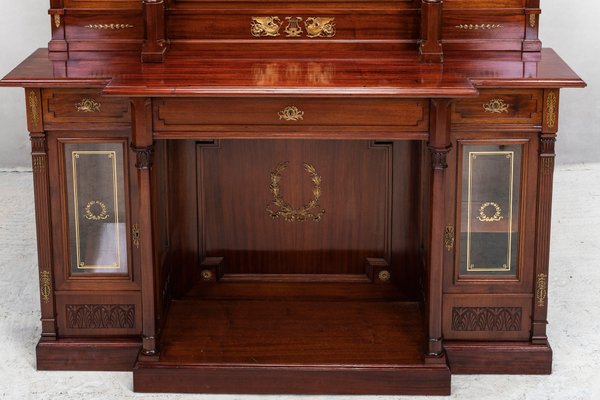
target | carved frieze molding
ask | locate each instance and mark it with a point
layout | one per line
(100, 316)
(490, 319)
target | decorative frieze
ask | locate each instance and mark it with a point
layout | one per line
(490, 319)
(100, 316)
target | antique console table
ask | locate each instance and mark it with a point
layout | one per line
(308, 197)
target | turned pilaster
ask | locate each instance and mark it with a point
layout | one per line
(439, 146)
(546, 157)
(142, 145)
(41, 188)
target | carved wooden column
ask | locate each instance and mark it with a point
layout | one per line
(142, 145)
(543, 217)
(431, 31)
(41, 187)
(155, 43)
(439, 146)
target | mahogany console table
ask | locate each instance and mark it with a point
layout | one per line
(357, 212)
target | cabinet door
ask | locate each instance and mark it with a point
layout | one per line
(493, 201)
(93, 222)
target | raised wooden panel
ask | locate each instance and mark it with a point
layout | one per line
(103, 4)
(104, 31)
(98, 314)
(451, 4)
(487, 317)
(63, 107)
(288, 113)
(523, 106)
(295, 207)
(347, 26)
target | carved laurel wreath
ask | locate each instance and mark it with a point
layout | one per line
(483, 217)
(89, 213)
(311, 211)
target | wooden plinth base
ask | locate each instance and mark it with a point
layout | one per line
(87, 355)
(499, 358)
(293, 346)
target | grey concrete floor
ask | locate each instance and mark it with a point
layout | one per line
(574, 298)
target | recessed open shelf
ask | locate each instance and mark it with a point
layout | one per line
(300, 337)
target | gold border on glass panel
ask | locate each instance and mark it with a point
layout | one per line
(472, 156)
(112, 155)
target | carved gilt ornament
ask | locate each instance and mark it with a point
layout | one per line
(496, 106)
(310, 211)
(265, 26)
(88, 105)
(485, 217)
(291, 113)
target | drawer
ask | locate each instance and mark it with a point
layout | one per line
(70, 108)
(104, 31)
(483, 30)
(99, 313)
(487, 4)
(95, 4)
(274, 25)
(487, 317)
(521, 106)
(281, 113)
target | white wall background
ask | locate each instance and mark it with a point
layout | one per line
(569, 26)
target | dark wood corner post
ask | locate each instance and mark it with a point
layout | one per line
(155, 41)
(41, 188)
(544, 210)
(439, 146)
(431, 31)
(142, 145)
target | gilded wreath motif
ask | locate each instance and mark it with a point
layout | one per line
(311, 211)
(484, 217)
(95, 216)
(496, 106)
(291, 114)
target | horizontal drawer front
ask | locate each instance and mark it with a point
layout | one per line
(188, 114)
(487, 317)
(87, 106)
(523, 106)
(479, 25)
(104, 31)
(96, 4)
(302, 26)
(450, 4)
(99, 314)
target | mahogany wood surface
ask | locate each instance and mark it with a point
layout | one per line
(293, 201)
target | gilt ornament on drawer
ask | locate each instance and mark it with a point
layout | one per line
(311, 211)
(293, 29)
(109, 26)
(88, 105)
(265, 26)
(496, 106)
(478, 27)
(320, 27)
(291, 113)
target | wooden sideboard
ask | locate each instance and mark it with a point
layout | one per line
(237, 197)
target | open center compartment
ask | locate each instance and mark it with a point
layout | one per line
(284, 261)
